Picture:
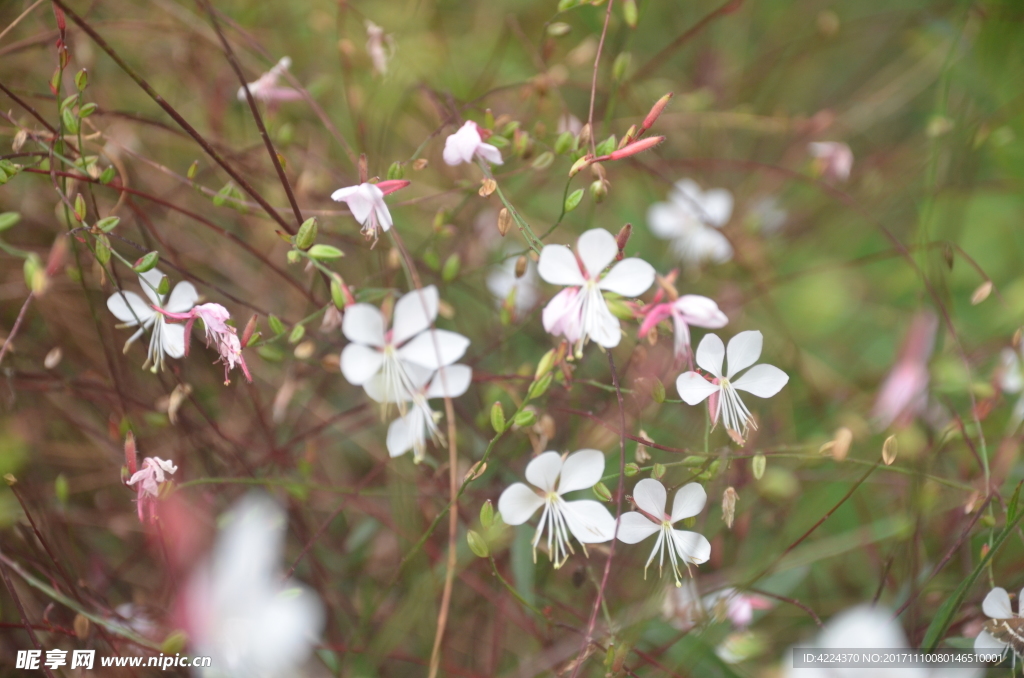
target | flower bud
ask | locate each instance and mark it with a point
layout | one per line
(477, 544)
(635, 147)
(539, 387)
(146, 263)
(450, 270)
(579, 165)
(81, 80)
(658, 471)
(250, 327)
(525, 418)
(129, 453)
(729, 499)
(396, 171)
(758, 464)
(497, 417)
(487, 514)
(623, 237)
(521, 263)
(602, 492)
(641, 454)
(629, 13)
(631, 470)
(584, 136)
(655, 112)
(306, 236)
(599, 190)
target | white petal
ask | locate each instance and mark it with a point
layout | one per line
(687, 192)
(280, 633)
(405, 432)
(413, 313)
(363, 324)
(764, 381)
(634, 528)
(692, 547)
(863, 626)
(383, 215)
(561, 316)
(667, 221)
(172, 338)
(589, 521)
(434, 348)
(451, 381)
(650, 495)
(694, 388)
(543, 470)
(150, 282)
(517, 503)
(986, 642)
(744, 350)
(997, 604)
(630, 278)
(359, 363)
(360, 201)
(183, 298)
(129, 307)
(717, 206)
(689, 501)
(581, 470)
(603, 327)
(711, 353)
(558, 266)
(597, 249)
(1020, 603)
(489, 153)
(700, 311)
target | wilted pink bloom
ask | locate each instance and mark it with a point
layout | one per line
(685, 608)
(833, 159)
(375, 47)
(224, 336)
(466, 144)
(266, 89)
(149, 480)
(904, 393)
(689, 309)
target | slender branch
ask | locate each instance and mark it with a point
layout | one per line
(17, 326)
(26, 624)
(593, 85)
(661, 57)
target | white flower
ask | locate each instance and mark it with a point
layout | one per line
(166, 339)
(768, 215)
(410, 432)
(238, 609)
(763, 380)
(587, 520)
(691, 220)
(689, 309)
(502, 280)
(579, 312)
(1011, 380)
(375, 42)
(366, 201)
(466, 143)
(150, 478)
(833, 159)
(682, 546)
(1003, 623)
(266, 89)
(392, 365)
(685, 608)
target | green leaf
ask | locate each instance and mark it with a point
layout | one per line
(564, 142)
(108, 175)
(396, 171)
(147, 262)
(8, 219)
(275, 324)
(487, 514)
(306, 236)
(539, 386)
(298, 332)
(451, 268)
(497, 417)
(325, 252)
(573, 200)
(477, 544)
(606, 146)
(525, 418)
(108, 224)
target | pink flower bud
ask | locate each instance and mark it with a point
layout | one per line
(634, 148)
(655, 111)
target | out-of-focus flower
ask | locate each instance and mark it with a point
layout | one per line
(768, 215)
(1002, 631)
(650, 518)
(691, 219)
(689, 309)
(150, 478)
(366, 201)
(166, 340)
(762, 380)
(224, 336)
(1011, 380)
(502, 280)
(410, 431)
(684, 608)
(466, 144)
(904, 393)
(832, 159)
(237, 608)
(379, 46)
(580, 312)
(587, 520)
(392, 365)
(569, 123)
(266, 89)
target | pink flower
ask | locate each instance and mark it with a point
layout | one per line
(689, 309)
(265, 89)
(904, 393)
(466, 144)
(833, 159)
(150, 478)
(224, 336)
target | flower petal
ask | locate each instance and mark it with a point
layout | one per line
(517, 503)
(383, 215)
(183, 298)
(717, 206)
(581, 470)
(172, 339)
(710, 354)
(667, 221)
(490, 153)
(985, 641)
(413, 313)
(597, 249)
(630, 278)
(744, 350)
(558, 266)
(650, 495)
(543, 470)
(405, 432)
(451, 381)
(150, 282)
(360, 200)
(694, 388)
(363, 324)
(598, 322)
(997, 604)
(434, 349)
(562, 314)
(691, 546)
(589, 521)
(359, 363)
(129, 308)
(700, 311)
(763, 380)
(689, 501)
(634, 528)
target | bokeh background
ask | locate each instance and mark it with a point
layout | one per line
(927, 94)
